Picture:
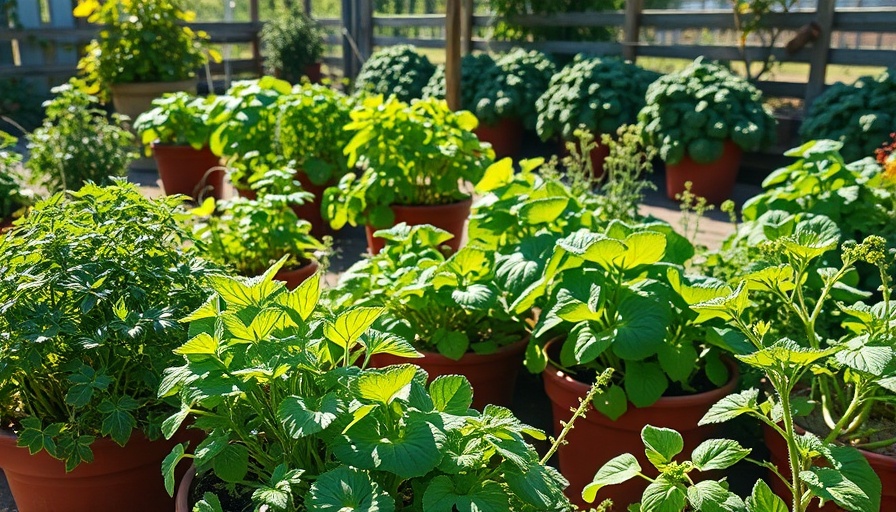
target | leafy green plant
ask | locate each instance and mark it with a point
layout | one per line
(447, 305)
(291, 418)
(858, 115)
(77, 143)
(694, 111)
(178, 118)
(245, 123)
(623, 301)
(599, 94)
(413, 154)
(476, 71)
(250, 235)
(291, 42)
(91, 287)
(395, 70)
(140, 41)
(310, 131)
(13, 197)
(509, 29)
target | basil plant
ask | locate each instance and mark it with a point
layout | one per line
(295, 420)
(451, 305)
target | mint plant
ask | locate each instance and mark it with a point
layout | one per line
(415, 154)
(447, 305)
(178, 118)
(293, 420)
(90, 302)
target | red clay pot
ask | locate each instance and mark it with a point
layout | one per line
(182, 498)
(312, 71)
(294, 277)
(883, 465)
(596, 439)
(505, 136)
(119, 478)
(493, 376)
(188, 171)
(450, 217)
(714, 181)
(311, 211)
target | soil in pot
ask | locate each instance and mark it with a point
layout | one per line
(450, 217)
(505, 136)
(493, 376)
(193, 172)
(295, 276)
(714, 181)
(596, 439)
(39, 483)
(192, 488)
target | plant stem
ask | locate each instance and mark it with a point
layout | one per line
(792, 448)
(602, 380)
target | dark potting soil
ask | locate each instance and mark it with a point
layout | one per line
(233, 498)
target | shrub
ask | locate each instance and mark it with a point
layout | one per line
(397, 70)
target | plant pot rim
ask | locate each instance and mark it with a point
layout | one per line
(473, 358)
(446, 206)
(564, 380)
(142, 85)
(175, 146)
(182, 496)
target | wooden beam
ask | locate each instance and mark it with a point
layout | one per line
(452, 54)
(818, 62)
(466, 27)
(631, 29)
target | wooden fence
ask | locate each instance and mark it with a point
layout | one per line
(49, 50)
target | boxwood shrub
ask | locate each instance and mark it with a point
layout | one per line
(397, 70)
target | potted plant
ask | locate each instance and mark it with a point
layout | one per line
(310, 134)
(701, 119)
(598, 95)
(90, 303)
(451, 309)
(850, 379)
(410, 162)
(77, 143)
(177, 131)
(859, 115)
(14, 198)
(249, 235)
(144, 50)
(395, 70)
(292, 46)
(304, 425)
(244, 133)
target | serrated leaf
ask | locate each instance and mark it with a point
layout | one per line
(542, 211)
(346, 490)
(661, 444)
(304, 298)
(386, 385)
(118, 424)
(496, 175)
(202, 343)
(540, 486)
(442, 495)
(642, 248)
(711, 496)
(232, 463)
(641, 328)
(350, 325)
(718, 454)
(615, 471)
(408, 452)
(451, 394)
(763, 499)
(612, 402)
(731, 407)
(307, 416)
(168, 466)
(664, 495)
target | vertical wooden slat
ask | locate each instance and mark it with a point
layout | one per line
(348, 54)
(818, 62)
(256, 46)
(466, 27)
(365, 29)
(632, 28)
(452, 54)
(307, 6)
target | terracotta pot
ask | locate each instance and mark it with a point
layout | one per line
(714, 181)
(294, 277)
(493, 376)
(119, 478)
(189, 171)
(598, 155)
(883, 465)
(248, 193)
(134, 99)
(505, 136)
(596, 439)
(311, 211)
(182, 498)
(312, 71)
(450, 217)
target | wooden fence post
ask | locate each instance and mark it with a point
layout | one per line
(452, 54)
(466, 27)
(364, 35)
(632, 28)
(349, 62)
(818, 62)
(256, 46)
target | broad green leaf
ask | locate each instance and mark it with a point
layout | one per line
(350, 325)
(202, 343)
(859, 354)
(644, 382)
(641, 329)
(451, 344)
(208, 503)
(238, 292)
(854, 487)
(496, 175)
(379, 342)
(642, 248)
(772, 278)
(452, 394)
(168, 466)
(36, 438)
(542, 211)
(763, 499)
(812, 237)
(232, 463)
(696, 290)
(347, 489)
(732, 406)
(711, 496)
(442, 495)
(615, 471)
(678, 361)
(304, 298)
(386, 385)
(726, 307)
(411, 451)
(612, 402)
(307, 416)
(664, 495)
(785, 353)
(718, 454)
(587, 345)
(661, 444)
(474, 297)
(118, 424)
(209, 309)
(540, 486)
